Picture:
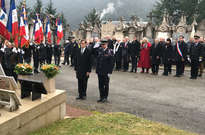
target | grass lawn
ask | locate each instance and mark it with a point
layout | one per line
(108, 124)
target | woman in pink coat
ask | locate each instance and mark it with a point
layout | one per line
(145, 62)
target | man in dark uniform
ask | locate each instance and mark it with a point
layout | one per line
(105, 64)
(35, 50)
(42, 54)
(66, 53)
(134, 50)
(83, 66)
(27, 54)
(57, 54)
(118, 55)
(49, 50)
(156, 54)
(195, 57)
(180, 56)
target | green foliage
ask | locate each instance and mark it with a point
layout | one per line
(93, 18)
(109, 124)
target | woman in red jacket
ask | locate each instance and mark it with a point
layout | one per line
(145, 62)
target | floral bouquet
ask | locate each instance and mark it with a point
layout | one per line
(23, 69)
(50, 71)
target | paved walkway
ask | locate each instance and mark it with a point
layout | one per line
(179, 102)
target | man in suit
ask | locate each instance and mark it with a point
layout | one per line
(66, 53)
(125, 56)
(180, 56)
(105, 64)
(134, 50)
(83, 66)
(195, 57)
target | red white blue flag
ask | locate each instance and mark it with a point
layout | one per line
(38, 31)
(3, 21)
(59, 31)
(12, 24)
(48, 31)
(24, 30)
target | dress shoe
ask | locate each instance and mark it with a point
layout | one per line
(79, 98)
(36, 71)
(84, 98)
(193, 78)
(105, 100)
(100, 100)
(200, 75)
(177, 76)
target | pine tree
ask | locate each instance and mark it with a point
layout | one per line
(92, 18)
(50, 9)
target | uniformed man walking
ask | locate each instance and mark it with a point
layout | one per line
(104, 68)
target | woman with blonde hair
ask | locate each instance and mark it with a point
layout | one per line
(144, 61)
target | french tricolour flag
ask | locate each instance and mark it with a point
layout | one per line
(3, 21)
(48, 31)
(38, 33)
(59, 31)
(12, 24)
(24, 31)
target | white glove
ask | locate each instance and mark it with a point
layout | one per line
(2, 49)
(189, 59)
(200, 59)
(22, 52)
(19, 50)
(109, 75)
(52, 45)
(38, 47)
(14, 50)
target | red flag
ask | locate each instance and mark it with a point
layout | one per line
(59, 31)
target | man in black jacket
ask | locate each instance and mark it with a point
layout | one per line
(180, 56)
(66, 53)
(105, 64)
(83, 66)
(125, 56)
(156, 54)
(195, 57)
(134, 50)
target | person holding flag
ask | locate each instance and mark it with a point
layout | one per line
(180, 56)
(48, 42)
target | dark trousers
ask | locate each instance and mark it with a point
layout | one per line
(155, 68)
(194, 68)
(36, 63)
(57, 60)
(66, 59)
(49, 59)
(179, 67)
(125, 63)
(72, 60)
(167, 68)
(134, 63)
(118, 63)
(103, 81)
(82, 84)
(27, 60)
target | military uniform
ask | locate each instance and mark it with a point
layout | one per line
(35, 50)
(104, 68)
(196, 58)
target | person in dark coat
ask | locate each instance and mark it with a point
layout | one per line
(156, 54)
(202, 63)
(83, 66)
(105, 64)
(167, 56)
(195, 57)
(134, 50)
(180, 51)
(125, 54)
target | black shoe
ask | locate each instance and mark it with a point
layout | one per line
(63, 63)
(200, 75)
(100, 100)
(177, 76)
(36, 71)
(193, 78)
(84, 98)
(131, 71)
(105, 100)
(79, 98)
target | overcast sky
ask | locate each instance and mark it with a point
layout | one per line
(75, 10)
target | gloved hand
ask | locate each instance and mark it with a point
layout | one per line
(109, 75)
